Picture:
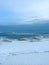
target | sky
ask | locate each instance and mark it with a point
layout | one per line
(20, 11)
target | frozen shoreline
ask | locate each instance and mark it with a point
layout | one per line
(24, 52)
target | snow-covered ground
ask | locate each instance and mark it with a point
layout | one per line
(24, 52)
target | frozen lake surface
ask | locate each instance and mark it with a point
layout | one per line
(24, 52)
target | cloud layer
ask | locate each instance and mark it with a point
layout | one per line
(23, 10)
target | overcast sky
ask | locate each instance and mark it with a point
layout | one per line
(20, 11)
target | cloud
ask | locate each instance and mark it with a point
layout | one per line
(22, 10)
